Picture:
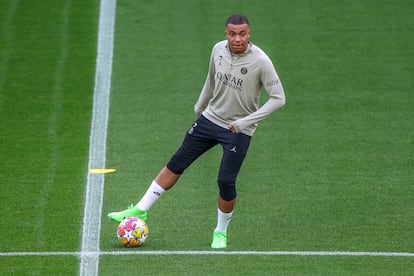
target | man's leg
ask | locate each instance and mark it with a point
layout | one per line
(226, 206)
(164, 181)
(166, 178)
(196, 142)
(224, 215)
(235, 148)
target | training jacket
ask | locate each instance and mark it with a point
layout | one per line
(231, 92)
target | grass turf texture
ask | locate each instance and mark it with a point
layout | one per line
(48, 54)
(330, 171)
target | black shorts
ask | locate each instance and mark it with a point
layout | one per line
(202, 136)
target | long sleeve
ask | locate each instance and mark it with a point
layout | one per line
(271, 82)
(208, 90)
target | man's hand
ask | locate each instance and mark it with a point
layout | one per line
(232, 128)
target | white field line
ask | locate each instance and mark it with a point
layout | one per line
(247, 253)
(89, 255)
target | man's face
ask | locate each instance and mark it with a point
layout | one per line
(238, 37)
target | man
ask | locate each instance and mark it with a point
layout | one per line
(227, 113)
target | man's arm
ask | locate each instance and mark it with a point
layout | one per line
(207, 91)
(276, 100)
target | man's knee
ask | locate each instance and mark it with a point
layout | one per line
(227, 188)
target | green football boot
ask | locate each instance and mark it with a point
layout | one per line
(219, 240)
(132, 211)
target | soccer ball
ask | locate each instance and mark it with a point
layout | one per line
(132, 232)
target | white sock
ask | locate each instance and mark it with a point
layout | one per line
(153, 193)
(223, 220)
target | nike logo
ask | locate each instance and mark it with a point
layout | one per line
(233, 149)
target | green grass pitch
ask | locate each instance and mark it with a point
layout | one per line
(333, 171)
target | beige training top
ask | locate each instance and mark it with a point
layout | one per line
(231, 92)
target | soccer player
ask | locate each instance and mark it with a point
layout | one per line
(227, 113)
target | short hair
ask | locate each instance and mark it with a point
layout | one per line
(237, 19)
